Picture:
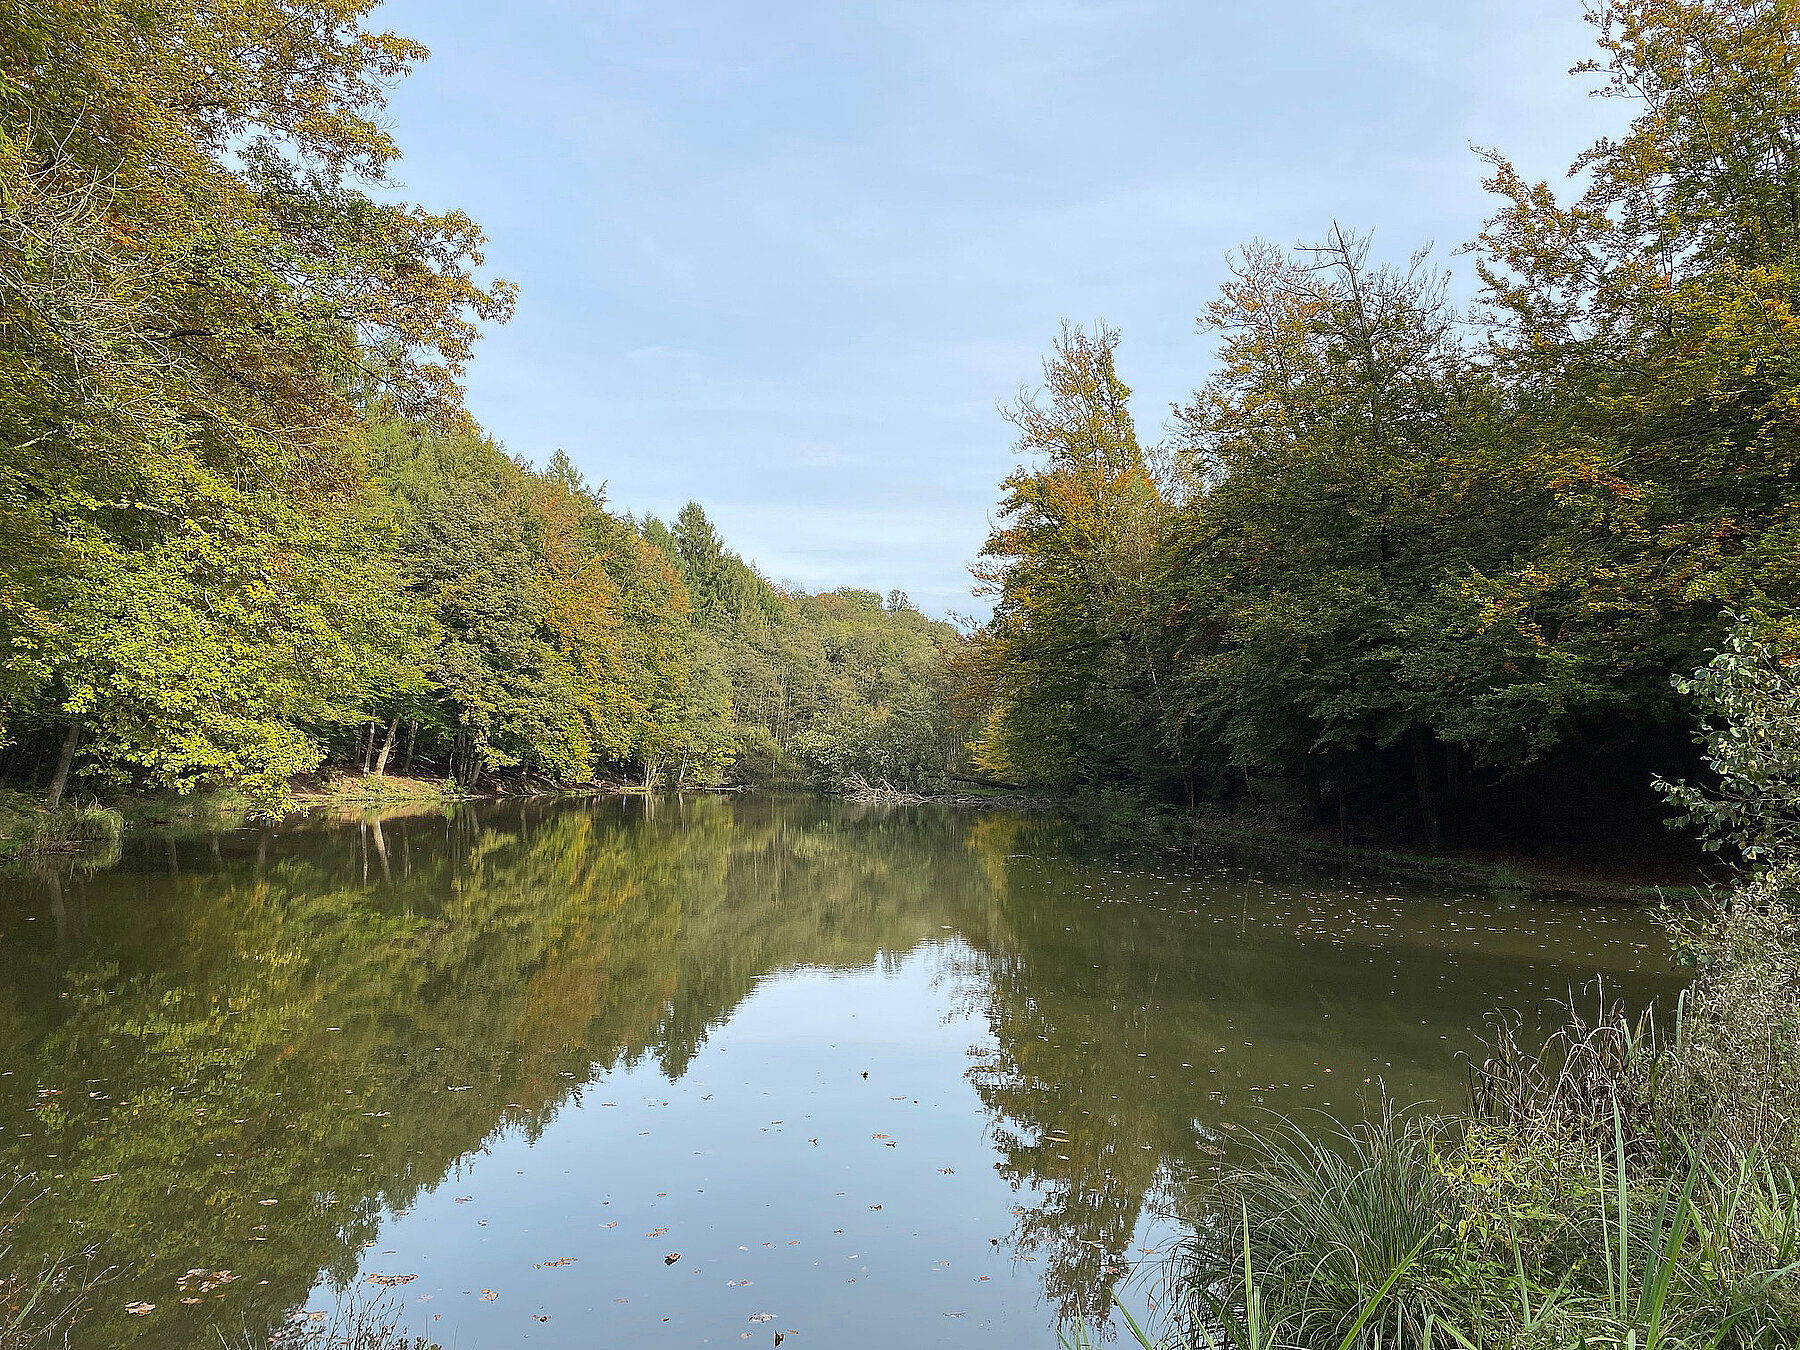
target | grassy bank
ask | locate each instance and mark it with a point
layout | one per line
(1624, 1184)
(377, 789)
(1620, 1185)
(30, 829)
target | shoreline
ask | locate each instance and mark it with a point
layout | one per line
(1496, 869)
(28, 830)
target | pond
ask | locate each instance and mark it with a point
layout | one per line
(692, 1071)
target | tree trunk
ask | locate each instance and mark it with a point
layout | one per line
(60, 780)
(412, 739)
(381, 849)
(369, 749)
(387, 746)
(1425, 780)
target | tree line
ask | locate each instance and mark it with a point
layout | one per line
(248, 528)
(1404, 558)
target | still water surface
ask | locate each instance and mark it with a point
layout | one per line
(689, 1072)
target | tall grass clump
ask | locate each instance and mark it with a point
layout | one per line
(1328, 1217)
(356, 1323)
(28, 830)
(78, 826)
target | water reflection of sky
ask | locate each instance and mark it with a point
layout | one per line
(855, 1210)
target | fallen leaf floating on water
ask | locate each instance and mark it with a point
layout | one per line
(560, 1261)
(108, 1177)
(540, 1317)
(738, 1284)
(464, 1199)
(762, 1317)
(656, 1232)
(671, 1258)
(140, 1309)
(390, 1280)
(488, 1296)
(207, 1280)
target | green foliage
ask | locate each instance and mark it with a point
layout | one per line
(1531, 1226)
(1398, 549)
(1749, 699)
(1067, 676)
(193, 284)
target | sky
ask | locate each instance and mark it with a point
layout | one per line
(790, 259)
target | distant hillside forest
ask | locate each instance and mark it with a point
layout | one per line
(247, 527)
(1422, 572)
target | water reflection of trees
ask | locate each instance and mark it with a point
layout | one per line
(332, 1016)
(1142, 1020)
(223, 1022)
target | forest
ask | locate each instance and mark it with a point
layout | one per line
(1423, 570)
(248, 528)
(1419, 568)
